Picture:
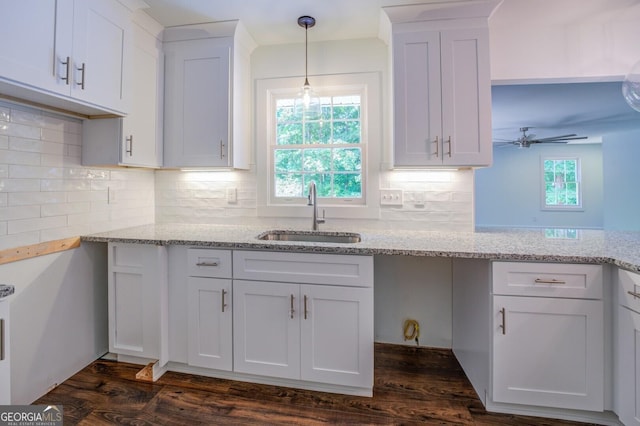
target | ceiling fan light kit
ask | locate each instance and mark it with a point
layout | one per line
(526, 140)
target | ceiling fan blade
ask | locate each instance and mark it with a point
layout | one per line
(552, 138)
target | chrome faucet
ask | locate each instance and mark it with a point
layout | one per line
(314, 202)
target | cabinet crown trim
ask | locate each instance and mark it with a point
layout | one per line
(441, 11)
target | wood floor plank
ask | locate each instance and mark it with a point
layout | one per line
(412, 386)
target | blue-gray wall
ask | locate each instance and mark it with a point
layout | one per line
(621, 159)
(509, 192)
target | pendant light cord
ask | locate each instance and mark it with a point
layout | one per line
(306, 54)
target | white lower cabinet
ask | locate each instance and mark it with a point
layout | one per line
(138, 301)
(628, 348)
(548, 351)
(5, 371)
(209, 309)
(302, 329)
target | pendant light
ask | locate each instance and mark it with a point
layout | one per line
(307, 103)
(631, 87)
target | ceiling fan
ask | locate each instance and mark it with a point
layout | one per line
(526, 140)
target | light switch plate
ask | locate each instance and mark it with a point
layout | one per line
(391, 197)
(232, 195)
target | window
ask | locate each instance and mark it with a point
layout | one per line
(328, 151)
(341, 152)
(561, 185)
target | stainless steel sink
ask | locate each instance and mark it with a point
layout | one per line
(311, 236)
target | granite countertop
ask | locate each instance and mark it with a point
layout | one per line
(575, 246)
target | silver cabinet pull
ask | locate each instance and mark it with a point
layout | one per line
(449, 142)
(551, 281)
(129, 141)
(503, 326)
(82, 69)
(212, 263)
(437, 142)
(221, 149)
(2, 342)
(224, 305)
(305, 306)
(634, 294)
(66, 74)
(292, 310)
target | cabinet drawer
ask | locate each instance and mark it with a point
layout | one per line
(629, 290)
(309, 268)
(209, 263)
(548, 279)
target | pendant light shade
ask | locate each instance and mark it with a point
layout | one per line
(631, 87)
(307, 103)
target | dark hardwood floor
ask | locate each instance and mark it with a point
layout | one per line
(412, 386)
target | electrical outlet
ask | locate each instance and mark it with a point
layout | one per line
(391, 197)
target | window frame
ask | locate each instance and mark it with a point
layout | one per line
(362, 145)
(578, 182)
(369, 84)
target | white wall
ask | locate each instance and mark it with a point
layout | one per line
(621, 153)
(509, 193)
(564, 39)
(46, 194)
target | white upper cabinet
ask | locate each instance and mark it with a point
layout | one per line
(207, 91)
(441, 84)
(75, 60)
(135, 140)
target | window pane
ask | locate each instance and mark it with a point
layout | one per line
(347, 159)
(318, 132)
(288, 185)
(346, 107)
(347, 185)
(346, 132)
(288, 160)
(284, 110)
(317, 160)
(289, 134)
(323, 183)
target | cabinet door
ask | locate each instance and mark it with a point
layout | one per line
(417, 99)
(337, 335)
(548, 352)
(466, 97)
(629, 366)
(101, 31)
(141, 142)
(197, 82)
(138, 305)
(34, 47)
(209, 329)
(5, 371)
(266, 328)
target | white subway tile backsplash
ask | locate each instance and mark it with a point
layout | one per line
(19, 185)
(22, 212)
(35, 198)
(18, 157)
(28, 225)
(46, 193)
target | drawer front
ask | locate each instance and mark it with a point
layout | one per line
(548, 279)
(209, 263)
(330, 269)
(629, 290)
